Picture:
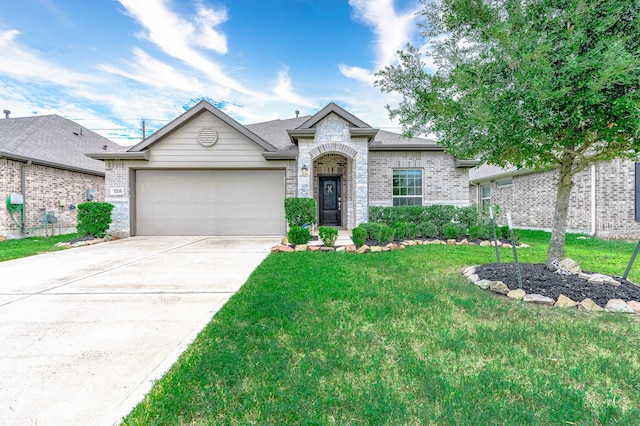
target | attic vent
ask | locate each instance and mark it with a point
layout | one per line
(207, 136)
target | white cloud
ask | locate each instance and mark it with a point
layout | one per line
(285, 92)
(392, 30)
(23, 64)
(357, 73)
(180, 38)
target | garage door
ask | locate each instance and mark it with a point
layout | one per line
(210, 202)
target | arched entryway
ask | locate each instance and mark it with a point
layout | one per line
(332, 189)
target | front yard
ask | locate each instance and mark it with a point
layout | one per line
(399, 338)
(14, 249)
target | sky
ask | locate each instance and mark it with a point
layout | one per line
(109, 64)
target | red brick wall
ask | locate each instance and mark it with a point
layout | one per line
(45, 187)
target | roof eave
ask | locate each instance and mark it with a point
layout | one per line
(465, 164)
(124, 155)
(405, 147)
(294, 134)
(23, 159)
(291, 154)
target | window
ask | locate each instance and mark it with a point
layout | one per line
(486, 195)
(407, 187)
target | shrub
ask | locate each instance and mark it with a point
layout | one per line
(468, 215)
(371, 229)
(359, 235)
(427, 230)
(399, 230)
(410, 231)
(94, 219)
(476, 232)
(299, 235)
(386, 234)
(452, 231)
(300, 211)
(328, 235)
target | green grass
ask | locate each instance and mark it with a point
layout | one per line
(14, 249)
(398, 338)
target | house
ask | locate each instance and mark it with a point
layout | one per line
(206, 174)
(43, 162)
(605, 200)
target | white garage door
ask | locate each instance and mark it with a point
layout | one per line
(210, 202)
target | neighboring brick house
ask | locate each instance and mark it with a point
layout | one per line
(46, 154)
(206, 174)
(605, 200)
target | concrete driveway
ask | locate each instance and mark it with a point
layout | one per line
(84, 332)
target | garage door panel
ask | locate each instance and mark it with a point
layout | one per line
(214, 202)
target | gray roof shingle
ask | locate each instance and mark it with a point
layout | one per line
(54, 141)
(275, 131)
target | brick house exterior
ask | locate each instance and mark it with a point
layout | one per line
(47, 153)
(332, 156)
(603, 200)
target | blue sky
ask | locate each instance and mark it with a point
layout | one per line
(107, 64)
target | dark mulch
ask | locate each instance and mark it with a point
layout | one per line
(83, 238)
(536, 278)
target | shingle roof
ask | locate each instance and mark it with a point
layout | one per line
(389, 138)
(275, 131)
(54, 141)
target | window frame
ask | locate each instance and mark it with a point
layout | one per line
(485, 201)
(417, 185)
(504, 183)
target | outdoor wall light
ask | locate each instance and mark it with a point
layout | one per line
(304, 170)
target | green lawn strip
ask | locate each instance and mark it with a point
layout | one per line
(14, 249)
(397, 338)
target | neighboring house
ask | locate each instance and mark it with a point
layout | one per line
(206, 174)
(42, 158)
(605, 200)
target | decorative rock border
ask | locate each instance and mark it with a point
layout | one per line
(86, 242)
(613, 305)
(285, 247)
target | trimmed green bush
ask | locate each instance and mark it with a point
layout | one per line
(359, 235)
(299, 235)
(94, 218)
(476, 232)
(371, 229)
(451, 231)
(300, 211)
(427, 230)
(387, 234)
(328, 235)
(441, 215)
(399, 230)
(410, 231)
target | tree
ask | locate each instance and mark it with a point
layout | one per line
(529, 83)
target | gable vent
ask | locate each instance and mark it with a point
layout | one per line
(207, 136)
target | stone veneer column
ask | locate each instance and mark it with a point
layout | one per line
(117, 178)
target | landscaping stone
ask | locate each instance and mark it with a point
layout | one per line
(619, 306)
(274, 249)
(341, 249)
(385, 249)
(568, 266)
(363, 249)
(463, 242)
(313, 248)
(595, 280)
(517, 294)
(469, 270)
(485, 243)
(451, 242)
(473, 278)
(375, 249)
(67, 244)
(401, 247)
(285, 249)
(565, 302)
(506, 245)
(325, 248)
(584, 276)
(301, 247)
(590, 306)
(483, 284)
(351, 248)
(392, 246)
(493, 243)
(634, 305)
(538, 299)
(499, 287)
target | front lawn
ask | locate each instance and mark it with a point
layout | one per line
(399, 338)
(14, 249)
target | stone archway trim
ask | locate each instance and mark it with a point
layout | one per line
(333, 147)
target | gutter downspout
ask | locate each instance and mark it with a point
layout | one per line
(593, 201)
(23, 184)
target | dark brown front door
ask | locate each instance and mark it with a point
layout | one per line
(330, 201)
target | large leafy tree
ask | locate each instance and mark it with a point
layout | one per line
(527, 83)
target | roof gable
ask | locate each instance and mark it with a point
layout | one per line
(200, 107)
(341, 112)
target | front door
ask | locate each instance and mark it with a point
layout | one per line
(330, 201)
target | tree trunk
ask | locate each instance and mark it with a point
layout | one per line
(565, 185)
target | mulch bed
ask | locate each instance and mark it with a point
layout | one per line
(536, 278)
(83, 238)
